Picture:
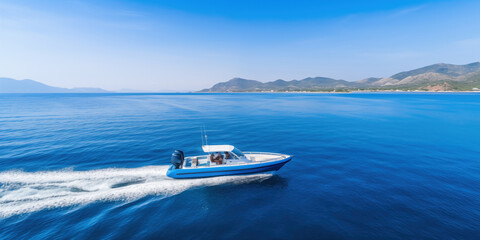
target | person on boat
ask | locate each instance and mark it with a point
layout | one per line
(218, 159)
(227, 155)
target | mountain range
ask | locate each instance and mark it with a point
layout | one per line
(436, 77)
(9, 85)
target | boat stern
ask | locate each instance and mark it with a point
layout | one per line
(172, 172)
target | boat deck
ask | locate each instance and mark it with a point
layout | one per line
(250, 158)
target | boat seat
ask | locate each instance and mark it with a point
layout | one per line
(202, 162)
(194, 162)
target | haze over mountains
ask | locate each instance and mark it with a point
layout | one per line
(9, 85)
(436, 77)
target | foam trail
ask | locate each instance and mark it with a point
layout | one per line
(26, 192)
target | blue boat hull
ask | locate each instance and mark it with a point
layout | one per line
(227, 170)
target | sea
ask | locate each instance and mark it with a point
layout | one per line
(365, 166)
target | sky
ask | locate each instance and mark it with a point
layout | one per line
(190, 45)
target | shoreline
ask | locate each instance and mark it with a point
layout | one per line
(331, 92)
(268, 92)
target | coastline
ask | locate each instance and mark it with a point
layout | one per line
(345, 92)
(250, 92)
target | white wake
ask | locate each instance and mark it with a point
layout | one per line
(26, 192)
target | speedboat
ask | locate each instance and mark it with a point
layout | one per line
(224, 160)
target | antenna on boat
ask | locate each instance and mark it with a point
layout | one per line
(203, 132)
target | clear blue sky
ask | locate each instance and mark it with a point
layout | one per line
(190, 45)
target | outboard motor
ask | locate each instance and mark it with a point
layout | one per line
(181, 153)
(177, 159)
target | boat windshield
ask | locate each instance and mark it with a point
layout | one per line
(238, 153)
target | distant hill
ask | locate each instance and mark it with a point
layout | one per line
(244, 85)
(436, 77)
(441, 68)
(9, 85)
(237, 85)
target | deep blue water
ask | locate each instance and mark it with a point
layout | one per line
(366, 166)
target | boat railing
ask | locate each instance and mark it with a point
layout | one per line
(199, 157)
(269, 153)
